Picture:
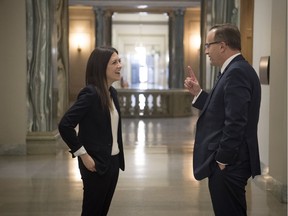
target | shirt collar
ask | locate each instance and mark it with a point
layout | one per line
(226, 63)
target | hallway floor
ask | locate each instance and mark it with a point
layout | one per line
(158, 180)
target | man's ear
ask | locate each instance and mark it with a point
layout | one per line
(223, 46)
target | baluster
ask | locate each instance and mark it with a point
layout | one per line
(137, 107)
(146, 104)
(132, 104)
(154, 104)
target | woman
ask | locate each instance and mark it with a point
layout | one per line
(98, 144)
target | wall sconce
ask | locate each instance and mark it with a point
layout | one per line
(195, 41)
(80, 41)
(79, 48)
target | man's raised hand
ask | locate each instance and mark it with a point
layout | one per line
(191, 82)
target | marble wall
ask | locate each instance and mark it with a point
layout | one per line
(47, 72)
(62, 20)
(47, 63)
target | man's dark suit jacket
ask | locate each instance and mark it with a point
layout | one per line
(95, 132)
(226, 129)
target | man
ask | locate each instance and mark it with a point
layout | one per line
(226, 144)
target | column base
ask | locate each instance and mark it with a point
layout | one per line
(42, 142)
(267, 182)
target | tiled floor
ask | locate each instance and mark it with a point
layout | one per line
(158, 180)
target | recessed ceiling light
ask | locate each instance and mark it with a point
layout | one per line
(142, 6)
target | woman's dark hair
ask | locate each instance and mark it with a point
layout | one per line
(229, 34)
(96, 72)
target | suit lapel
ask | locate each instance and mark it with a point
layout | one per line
(115, 99)
(210, 94)
(236, 59)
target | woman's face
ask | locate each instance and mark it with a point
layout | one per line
(113, 69)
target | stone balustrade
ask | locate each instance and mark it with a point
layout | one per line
(154, 103)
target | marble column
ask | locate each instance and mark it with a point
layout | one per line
(39, 71)
(103, 28)
(176, 48)
(47, 68)
(62, 58)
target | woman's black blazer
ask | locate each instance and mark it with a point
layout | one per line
(95, 132)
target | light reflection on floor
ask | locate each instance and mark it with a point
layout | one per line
(158, 180)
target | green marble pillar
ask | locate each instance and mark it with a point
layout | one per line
(47, 71)
(103, 28)
(176, 48)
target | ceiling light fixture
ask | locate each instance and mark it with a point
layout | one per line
(142, 6)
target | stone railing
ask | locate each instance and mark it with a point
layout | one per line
(154, 103)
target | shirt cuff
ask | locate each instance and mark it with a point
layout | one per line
(221, 163)
(195, 98)
(80, 151)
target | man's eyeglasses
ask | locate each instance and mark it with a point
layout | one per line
(207, 45)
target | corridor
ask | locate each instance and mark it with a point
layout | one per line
(158, 180)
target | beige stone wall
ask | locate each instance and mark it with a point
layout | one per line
(13, 77)
(81, 35)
